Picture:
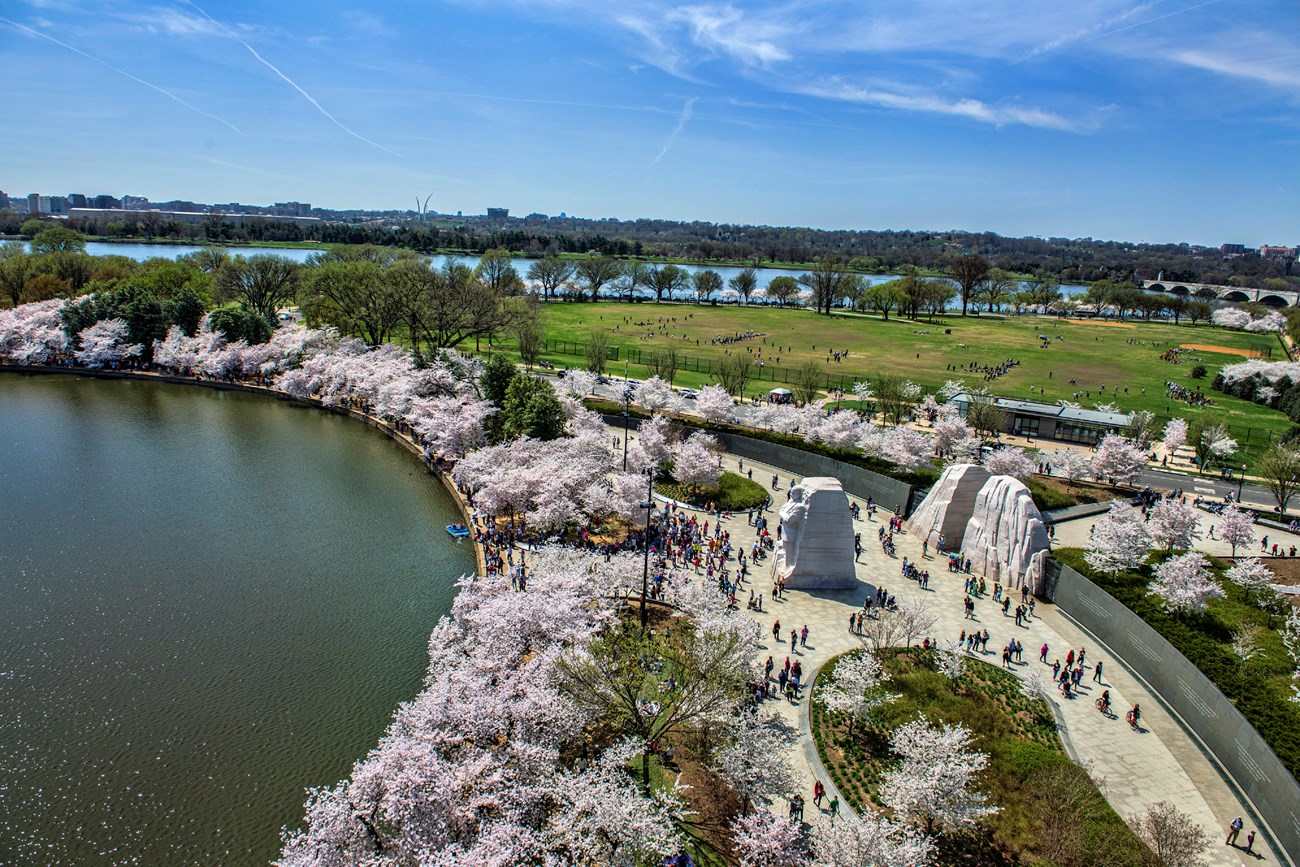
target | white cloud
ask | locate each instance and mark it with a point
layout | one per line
(929, 103)
(682, 119)
(1277, 65)
(725, 29)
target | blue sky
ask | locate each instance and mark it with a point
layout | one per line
(1146, 121)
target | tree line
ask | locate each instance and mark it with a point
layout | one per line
(1069, 260)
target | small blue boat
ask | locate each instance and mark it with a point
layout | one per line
(458, 531)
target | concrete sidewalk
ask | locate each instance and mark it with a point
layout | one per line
(1139, 769)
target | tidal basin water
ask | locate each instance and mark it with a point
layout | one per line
(209, 601)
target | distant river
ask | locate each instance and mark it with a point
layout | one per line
(211, 601)
(141, 252)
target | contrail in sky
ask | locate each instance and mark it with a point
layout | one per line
(687, 110)
(163, 91)
(292, 83)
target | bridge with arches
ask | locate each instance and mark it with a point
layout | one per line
(1270, 297)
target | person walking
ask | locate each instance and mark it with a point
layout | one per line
(803, 636)
(1250, 842)
(819, 792)
(835, 811)
(794, 639)
(776, 631)
(1233, 830)
(1042, 653)
(1096, 673)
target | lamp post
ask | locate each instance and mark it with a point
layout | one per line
(627, 407)
(649, 505)
(1241, 480)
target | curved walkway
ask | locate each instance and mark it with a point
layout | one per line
(1161, 763)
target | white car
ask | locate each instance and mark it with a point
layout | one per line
(688, 393)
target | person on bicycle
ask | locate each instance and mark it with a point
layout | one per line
(1134, 715)
(1104, 701)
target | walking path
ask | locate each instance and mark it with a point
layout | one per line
(1139, 769)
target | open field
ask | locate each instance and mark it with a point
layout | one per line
(1088, 355)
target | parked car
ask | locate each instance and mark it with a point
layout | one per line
(688, 393)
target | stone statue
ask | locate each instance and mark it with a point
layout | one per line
(793, 514)
(816, 547)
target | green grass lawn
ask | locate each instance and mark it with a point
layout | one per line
(1051, 811)
(1261, 688)
(733, 493)
(1090, 354)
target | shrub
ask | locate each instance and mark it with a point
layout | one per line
(1198, 372)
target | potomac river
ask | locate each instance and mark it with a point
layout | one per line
(212, 600)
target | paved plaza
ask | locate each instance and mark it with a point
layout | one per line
(1138, 769)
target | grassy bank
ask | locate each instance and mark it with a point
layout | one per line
(1085, 357)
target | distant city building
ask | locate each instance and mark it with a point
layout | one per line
(190, 216)
(179, 205)
(4, 201)
(33, 203)
(105, 201)
(1232, 249)
(1277, 252)
(76, 200)
(291, 209)
(498, 213)
(135, 203)
(58, 204)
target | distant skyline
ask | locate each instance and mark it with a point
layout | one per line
(1147, 121)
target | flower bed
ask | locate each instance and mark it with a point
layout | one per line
(1051, 811)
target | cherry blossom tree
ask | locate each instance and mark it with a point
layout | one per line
(1118, 459)
(1175, 436)
(104, 343)
(653, 445)
(1236, 527)
(1172, 836)
(951, 661)
(1033, 685)
(935, 781)
(1010, 461)
(1231, 317)
(839, 430)
(754, 762)
(656, 394)
(1068, 464)
(856, 688)
(716, 404)
(1172, 523)
(951, 388)
(762, 839)
(949, 430)
(1291, 638)
(908, 448)
(695, 461)
(32, 333)
(1250, 575)
(862, 391)
(1217, 445)
(578, 383)
(1120, 540)
(870, 841)
(1185, 584)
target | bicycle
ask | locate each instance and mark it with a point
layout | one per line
(1132, 718)
(1103, 706)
